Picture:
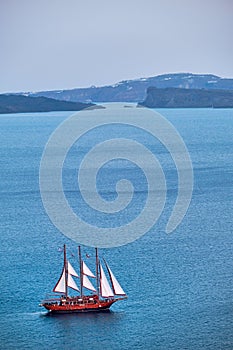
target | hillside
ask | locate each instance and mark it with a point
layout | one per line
(188, 98)
(24, 104)
(135, 90)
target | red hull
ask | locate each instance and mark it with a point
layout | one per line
(71, 305)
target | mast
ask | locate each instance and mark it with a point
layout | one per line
(97, 272)
(66, 272)
(81, 270)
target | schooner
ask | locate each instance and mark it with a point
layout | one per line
(102, 295)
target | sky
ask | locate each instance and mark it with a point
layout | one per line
(63, 44)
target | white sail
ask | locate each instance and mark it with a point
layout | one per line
(61, 284)
(87, 283)
(71, 283)
(86, 270)
(71, 270)
(115, 284)
(105, 288)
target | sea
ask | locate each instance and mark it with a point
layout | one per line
(179, 284)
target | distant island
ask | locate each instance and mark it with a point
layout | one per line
(135, 90)
(25, 104)
(180, 90)
(188, 98)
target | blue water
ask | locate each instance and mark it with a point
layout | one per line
(179, 286)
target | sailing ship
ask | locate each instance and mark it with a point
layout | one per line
(101, 297)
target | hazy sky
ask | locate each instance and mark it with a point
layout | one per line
(56, 44)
